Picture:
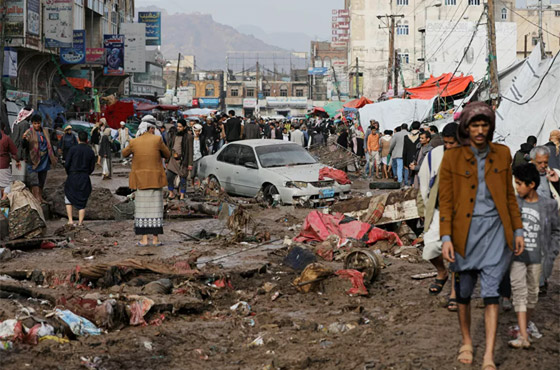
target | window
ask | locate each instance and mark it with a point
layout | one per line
(327, 62)
(266, 91)
(402, 29)
(299, 92)
(250, 93)
(504, 13)
(283, 90)
(402, 2)
(474, 2)
(234, 92)
(229, 154)
(79, 15)
(403, 58)
(557, 13)
(450, 2)
(246, 155)
(209, 91)
(535, 40)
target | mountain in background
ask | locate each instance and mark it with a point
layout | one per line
(199, 35)
(295, 41)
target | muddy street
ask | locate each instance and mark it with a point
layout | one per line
(214, 303)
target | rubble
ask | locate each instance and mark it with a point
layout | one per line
(100, 204)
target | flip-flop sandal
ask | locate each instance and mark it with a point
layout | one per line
(489, 365)
(138, 244)
(466, 354)
(437, 286)
(157, 244)
(452, 304)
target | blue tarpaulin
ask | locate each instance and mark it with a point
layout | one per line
(48, 110)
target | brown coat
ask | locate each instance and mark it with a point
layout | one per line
(458, 187)
(147, 168)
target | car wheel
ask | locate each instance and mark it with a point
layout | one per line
(213, 182)
(269, 193)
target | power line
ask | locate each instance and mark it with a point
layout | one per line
(450, 32)
(527, 20)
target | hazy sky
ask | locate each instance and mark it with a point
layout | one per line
(312, 17)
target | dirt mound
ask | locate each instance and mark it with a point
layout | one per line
(99, 207)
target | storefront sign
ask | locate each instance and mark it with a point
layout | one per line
(249, 103)
(153, 26)
(134, 47)
(208, 102)
(283, 101)
(95, 56)
(18, 95)
(58, 23)
(77, 53)
(114, 55)
(318, 71)
(14, 18)
(33, 21)
(10, 62)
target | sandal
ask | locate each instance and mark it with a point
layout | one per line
(452, 304)
(466, 354)
(437, 286)
(159, 244)
(489, 365)
(138, 244)
(519, 342)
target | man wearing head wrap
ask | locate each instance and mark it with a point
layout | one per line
(479, 220)
(106, 154)
(181, 160)
(124, 137)
(21, 124)
(147, 177)
(68, 141)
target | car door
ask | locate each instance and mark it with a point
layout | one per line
(226, 165)
(247, 179)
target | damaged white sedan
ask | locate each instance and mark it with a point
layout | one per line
(279, 171)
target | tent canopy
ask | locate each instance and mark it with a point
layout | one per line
(333, 107)
(144, 107)
(395, 112)
(77, 83)
(444, 85)
(358, 103)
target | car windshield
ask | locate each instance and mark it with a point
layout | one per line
(283, 155)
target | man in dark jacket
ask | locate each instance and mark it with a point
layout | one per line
(252, 131)
(234, 129)
(67, 142)
(181, 162)
(409, 149)
(522, 155)
(554, 146)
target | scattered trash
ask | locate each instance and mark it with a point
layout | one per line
(5, 254)
(54, 338)
(268, 286)
(45, 330)
(311, 277)
(138, 309)
(338, 327)
(299, 258)
(222, 283)
(148, 345)
(6, 345)
(161, 286)
(47, 245)
(250, 322)
(357, 279)
(242, 308)
(275, 296)
(7, 328)
(325, 343)
(259, 341)
(365, 261)
(78, 325)
(425, 275)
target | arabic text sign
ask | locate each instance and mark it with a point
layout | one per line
(114, 55)
(77, 53)
(95, 56)
(153, 26)
(14, 18)
(33, 21)
(58, 23)
(134, 47)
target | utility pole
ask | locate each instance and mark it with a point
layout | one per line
(541, 39)
(357, 78)
(494, 83)
(397, 66)
(3, 115)
(177, 74)
(525, 47)
(257, 91)
(390, 67)
(336, 83)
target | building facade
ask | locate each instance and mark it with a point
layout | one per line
(208, 89)
(328, 78)
(370, 31)
(149, 84)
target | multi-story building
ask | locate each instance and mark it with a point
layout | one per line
(149, 84)
(328, 77)
(271, 96)
(527, 20)
(208, 87)
(36, 72)
(186, 68)
(421, 28)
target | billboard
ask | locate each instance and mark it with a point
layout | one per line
(114, 55)
(153, 26)
(14, 18)
(58, 23)
(10, 62)
(95, 56)
(33, 21)
(318, 71)
(77, 53)
(134, 47)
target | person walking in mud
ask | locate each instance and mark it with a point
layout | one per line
(479, 220)
(147, 176)
(79, 165)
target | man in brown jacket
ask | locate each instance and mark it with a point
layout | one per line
(479, 220)
(148, 178)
